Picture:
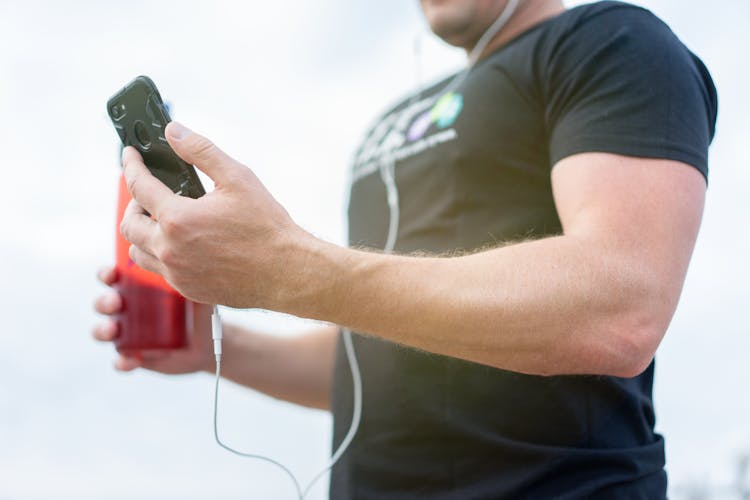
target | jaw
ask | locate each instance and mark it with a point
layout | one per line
(457, 22)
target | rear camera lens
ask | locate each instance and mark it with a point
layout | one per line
(117, 111)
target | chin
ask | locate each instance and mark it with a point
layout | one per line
(451, 20)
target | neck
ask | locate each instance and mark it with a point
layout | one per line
(528, 14)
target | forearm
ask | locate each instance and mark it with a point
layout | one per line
(296, 369)
(594, 300)
(552, 306)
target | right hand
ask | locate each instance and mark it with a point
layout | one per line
(197, 356)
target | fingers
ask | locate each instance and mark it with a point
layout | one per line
(107, 275)
(105, 332)
(128, 363)
(149, 191)
(201, 152)
(138, 228)
(150, 360)
(110, 303)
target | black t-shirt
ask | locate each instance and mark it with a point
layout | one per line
(473, 169)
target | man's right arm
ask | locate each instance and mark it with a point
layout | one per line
(297, 369)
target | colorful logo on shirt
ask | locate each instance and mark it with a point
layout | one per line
(443, 114)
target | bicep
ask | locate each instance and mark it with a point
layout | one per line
(644, 213)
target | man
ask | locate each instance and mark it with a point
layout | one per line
(547, 207)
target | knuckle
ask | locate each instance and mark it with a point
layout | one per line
(172, 224)
(124, 227)
(167, 256)
(203, 148)
(131, 182)
(133, 254)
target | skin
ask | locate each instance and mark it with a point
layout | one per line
(250, 358)
(596, 299)
(461, 23)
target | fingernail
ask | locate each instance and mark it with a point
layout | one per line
(178, 131)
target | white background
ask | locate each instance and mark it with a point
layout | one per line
(287, 87)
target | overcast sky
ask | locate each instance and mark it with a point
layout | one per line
(287, 89)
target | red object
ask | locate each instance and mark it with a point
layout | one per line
(154, 315)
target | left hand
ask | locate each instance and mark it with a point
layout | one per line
(227, 247)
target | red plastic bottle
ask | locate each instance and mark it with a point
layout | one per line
(154, 315)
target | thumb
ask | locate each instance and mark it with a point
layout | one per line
(201, 152)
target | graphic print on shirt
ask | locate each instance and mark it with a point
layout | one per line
(408, 131)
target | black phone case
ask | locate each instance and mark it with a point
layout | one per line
(140, 116)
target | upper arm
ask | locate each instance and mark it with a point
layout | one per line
(630, 114)
(640, 216)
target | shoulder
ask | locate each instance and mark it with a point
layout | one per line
(608, 40)
(620, 26)
(604, 16)
(616, 41)
(615, 78)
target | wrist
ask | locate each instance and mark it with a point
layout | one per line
(308, 276)
(208, 363)
(229, 341)
(323, 280)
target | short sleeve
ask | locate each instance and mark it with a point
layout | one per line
(621, 82)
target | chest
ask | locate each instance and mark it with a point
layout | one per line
(459, 159)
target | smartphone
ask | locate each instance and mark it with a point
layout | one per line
(153, 314)
(140, 116)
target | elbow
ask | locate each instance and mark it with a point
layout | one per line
(630, 363)
(621, 347)
(634, 320)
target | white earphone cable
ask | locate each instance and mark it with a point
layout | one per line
(387, 174)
